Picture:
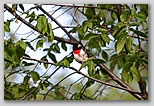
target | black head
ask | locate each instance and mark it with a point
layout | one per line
(77, 46)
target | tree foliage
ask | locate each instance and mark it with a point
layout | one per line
(115, 36)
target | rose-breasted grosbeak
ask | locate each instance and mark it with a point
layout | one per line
(79, 53)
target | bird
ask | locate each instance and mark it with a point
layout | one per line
(79, 53)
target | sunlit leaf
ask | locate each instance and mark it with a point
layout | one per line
(129, 43)
(120, 44)
(41, 22)
(124, 16)
(135, 73)
(50, 32)
(105, 37)
(91, 67)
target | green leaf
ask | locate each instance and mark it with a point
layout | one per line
(98, 61)
(88, 36)
(85, 28)
(129, 43)
(22, 7)
(26, 80)
(56, 48)
(114, 15)
(90, 12)
(35, 76)
(127, 66)
(44, 58)
(22, 44)
(133, 12)
(102, 30)
(44, 29)
(65, 62)
(96, 75)
(52, 57)
(135, 24)
(41, 22)
(141, 17)
(105, 55)
(83, 65)
(30, 46)
(39, 44)
(64, 47)
(81, 31)
(144, 60)
(111, 22)
(139, 33)
(70, 59)
(50, 32)
(90, 24)
(92, 43)
(120, 24)
(14, 7)
(130, 78)
(102, 13)
(91, 67)
(124, 75)
(27, 64)
(135, 73)
(120, 44)
(121, 61)
(7, 26)
(124, 16)
(106, 38)
(20, 50)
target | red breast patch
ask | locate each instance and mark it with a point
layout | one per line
(77, 52)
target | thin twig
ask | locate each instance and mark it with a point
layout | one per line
(58, 84)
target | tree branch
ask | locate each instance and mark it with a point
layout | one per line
(89, 77)
(33, 27)
(52, 18)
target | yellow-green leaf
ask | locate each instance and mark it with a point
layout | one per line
(135, 73)
(120, 44)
